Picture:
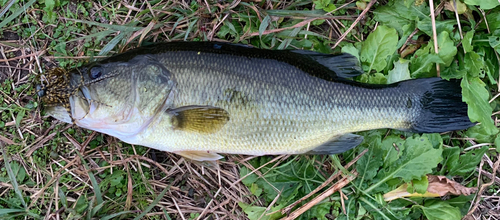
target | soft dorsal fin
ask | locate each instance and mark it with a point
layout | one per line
(338, 144)
(343, 65)
(201, 119)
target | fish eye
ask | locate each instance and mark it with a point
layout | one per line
(95, 72)
(40, 91)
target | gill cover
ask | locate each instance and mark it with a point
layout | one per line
(123, 98)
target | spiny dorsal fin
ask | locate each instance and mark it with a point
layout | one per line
(201, 119)
(338, 144)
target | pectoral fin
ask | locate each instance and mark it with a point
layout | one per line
(199, 155)
(338, 144)
(202, 119)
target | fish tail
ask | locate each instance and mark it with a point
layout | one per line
(442, 108)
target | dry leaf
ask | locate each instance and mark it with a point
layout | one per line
(449, 5)
(438, 186)
(442, 186)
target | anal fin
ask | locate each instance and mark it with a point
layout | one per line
(338, 144)
(199, 155)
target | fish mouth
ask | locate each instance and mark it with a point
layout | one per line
(59, 112)
(79, 106)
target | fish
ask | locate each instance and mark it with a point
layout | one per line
(203, 99)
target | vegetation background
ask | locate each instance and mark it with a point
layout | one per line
(52, 170)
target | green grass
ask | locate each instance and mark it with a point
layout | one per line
(49, 169)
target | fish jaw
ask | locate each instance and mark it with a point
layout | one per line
(59, 113)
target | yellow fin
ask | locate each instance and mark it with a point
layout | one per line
(202, 119)
(199, 155)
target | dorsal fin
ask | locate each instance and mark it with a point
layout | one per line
(324, 66)
(343, 65)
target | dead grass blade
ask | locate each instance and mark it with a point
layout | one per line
(338, 186)
(324, 184)
(483, 187)
(362, 15)
(434, 34)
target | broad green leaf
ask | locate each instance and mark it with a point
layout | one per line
(423, 61)
(400, 72)
(493, 21)
(254, 189)
(483, 4)
(467, 41)
(419, 186)
(495, 42)
(399, 15)
(378, 46)
(257, 212)
(368, 164)
(453, 72)
(49, 5)
(318, 212)
(350, 49)
(419, 158)
(480, 134)
(425, 25)
(441, 210)
(447, 49)
(326, 5)
(474, 64)
(250, 178)
(450, 155)
(464, 164)
(476, 96)
(377, 78)
(392, 148)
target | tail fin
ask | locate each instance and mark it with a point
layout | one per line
(441, 103)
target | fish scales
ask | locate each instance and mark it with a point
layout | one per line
(232, 100)
(277, 116)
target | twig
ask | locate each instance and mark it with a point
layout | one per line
(408, 40)
(458, 21)
(484, 186)
(434, 34)
(208, 205)
(338, 186)
(178, 209)
(490, 176)
(141, 158)
(328, 181)
(354, 23)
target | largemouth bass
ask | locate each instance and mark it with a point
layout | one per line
(198, 99)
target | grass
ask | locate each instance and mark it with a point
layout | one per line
(57, 171)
